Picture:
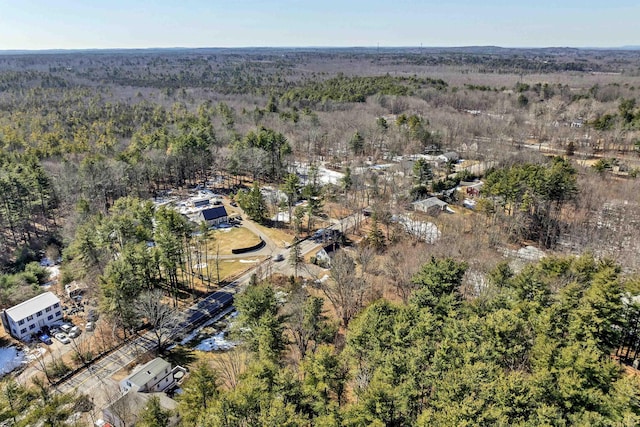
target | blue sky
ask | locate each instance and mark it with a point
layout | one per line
(66, 24)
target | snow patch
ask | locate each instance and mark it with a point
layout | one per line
(10, 359)
(215, 343)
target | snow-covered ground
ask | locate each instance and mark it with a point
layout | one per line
(328, 176)
(281, 217)
(10, 359)
(426, 231)
(217, 342)
(325, 176)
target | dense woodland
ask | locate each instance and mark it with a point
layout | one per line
(458, 333)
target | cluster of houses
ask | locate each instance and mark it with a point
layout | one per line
(206, 207)
(27, 320)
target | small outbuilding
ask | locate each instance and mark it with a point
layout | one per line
(74, 289)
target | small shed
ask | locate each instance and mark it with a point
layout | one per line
(74, 289)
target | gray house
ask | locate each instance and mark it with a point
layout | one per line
(450, 156)
(431, 206)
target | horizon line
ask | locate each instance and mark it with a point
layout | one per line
(375, 47)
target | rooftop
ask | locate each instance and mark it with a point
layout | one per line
(214, 213)
(131, 403)
(430, 202)
(148, 371)
(32, 306)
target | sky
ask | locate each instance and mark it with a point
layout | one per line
(93, 24)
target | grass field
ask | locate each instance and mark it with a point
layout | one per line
(280, 237)
(230, 238)
(227, 267)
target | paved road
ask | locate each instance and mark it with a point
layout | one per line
(86, 380)
(99, 373)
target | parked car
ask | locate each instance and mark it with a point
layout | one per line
(92, 316)
(54, 329)
(90, 326)
(66, 327)
(45, 339)
(278, 258)
(74, 332)
(62, 338)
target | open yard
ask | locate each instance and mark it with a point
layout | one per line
(226, 239)
(281, 237)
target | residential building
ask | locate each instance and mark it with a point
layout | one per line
(24, 320)
(450, 156)
(124, 411)
(155, 376)
(152, 379)
(432, 205)
(214, 216)
(200, 203)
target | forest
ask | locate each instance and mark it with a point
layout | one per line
(458, 328)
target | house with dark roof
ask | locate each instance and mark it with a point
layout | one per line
(200, 203)
(214, 216)
(125, 410)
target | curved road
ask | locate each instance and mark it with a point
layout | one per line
(99, 374)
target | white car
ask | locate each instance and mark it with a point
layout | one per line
(62, 338)
(90, 326)
(74, 332)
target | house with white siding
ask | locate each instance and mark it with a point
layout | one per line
(214, 216)
(26, 319)
(150, 380)
(155, 376)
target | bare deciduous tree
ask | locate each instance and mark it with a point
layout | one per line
(163, 318)
(230, 365)
(346, 289)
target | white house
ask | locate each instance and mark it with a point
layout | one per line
(29, 317)
(155, 376)
(152, 379)
(214, 216)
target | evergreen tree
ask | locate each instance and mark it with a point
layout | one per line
(153, 415)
